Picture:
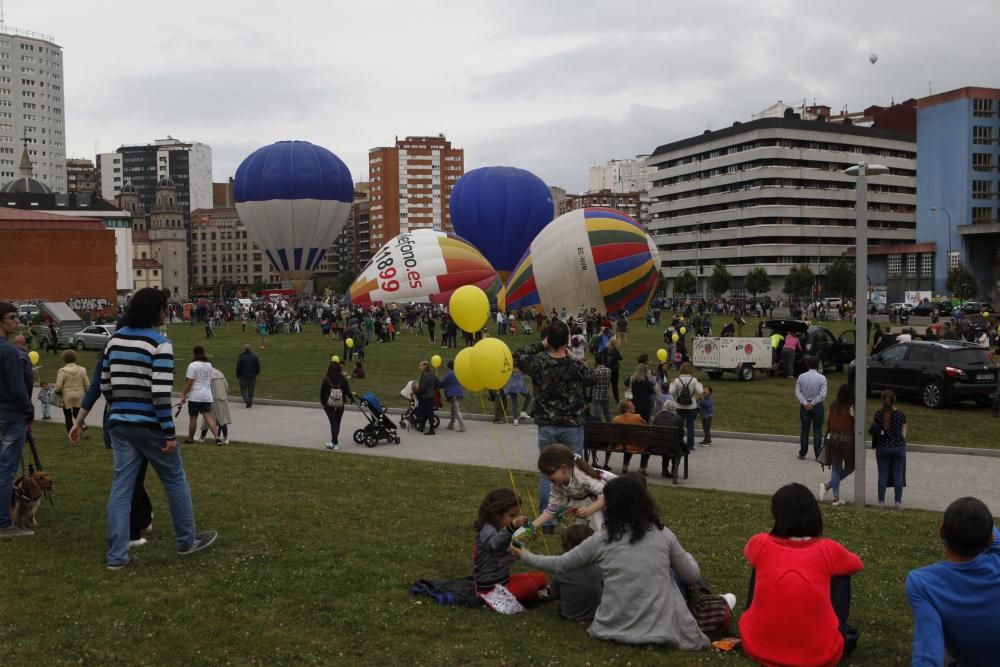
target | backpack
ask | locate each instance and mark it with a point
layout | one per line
(711, 612)
(684, 397)
(336, 398)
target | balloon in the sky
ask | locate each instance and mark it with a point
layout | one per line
(873, 58)
(422, 266)
(592, 258)
(500, 210)
(294, 198)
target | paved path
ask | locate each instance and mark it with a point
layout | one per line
(731, 464)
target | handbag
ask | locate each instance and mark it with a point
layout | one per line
(711, 612)
(57, 399)
(876, 433)
(825, 456)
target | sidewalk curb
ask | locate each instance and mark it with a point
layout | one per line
(733, 435)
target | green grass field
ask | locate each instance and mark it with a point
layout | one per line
(317, 552)
(294, 364)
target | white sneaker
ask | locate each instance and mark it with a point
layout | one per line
(328, 445)
(525, 415)
(137, 543)
(224, 442)
(515, 421)
(199, 439)
(821, 491)
(730, 600)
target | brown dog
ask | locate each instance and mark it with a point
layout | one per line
(27, 496)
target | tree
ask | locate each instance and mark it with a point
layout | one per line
(719, 282)
(840, 277)
(799, 282)
(685, 283)
(258, 286)
(962, 283)
(757, 281)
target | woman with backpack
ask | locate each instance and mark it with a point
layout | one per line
(332, 395)
(685, 390)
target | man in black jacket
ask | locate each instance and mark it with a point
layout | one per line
(247, 370)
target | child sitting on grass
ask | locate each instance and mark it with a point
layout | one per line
(575, 485)
(579, 591)
(499, 516)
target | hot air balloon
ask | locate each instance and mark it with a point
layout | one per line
(591, 257)
(294, 198)
(873, 58)
(500, 210)
(423, 266)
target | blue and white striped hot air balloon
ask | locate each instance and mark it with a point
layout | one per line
(294, 198)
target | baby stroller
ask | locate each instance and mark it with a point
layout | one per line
(526, 327)
(379, 427)
(409, 418)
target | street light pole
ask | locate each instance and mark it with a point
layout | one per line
(861, 323)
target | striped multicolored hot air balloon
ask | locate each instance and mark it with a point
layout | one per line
(422, 266)
(588, 258)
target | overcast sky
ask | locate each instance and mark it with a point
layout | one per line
(549, 86)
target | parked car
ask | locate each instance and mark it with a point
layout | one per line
(929, 308)
(833, 302)
(934, 372)
(976, 307)
(899, 306)
(93, 337)
(832, 351)
(28, 311)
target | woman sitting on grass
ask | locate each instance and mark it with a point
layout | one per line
(794, 615)
(641, 603)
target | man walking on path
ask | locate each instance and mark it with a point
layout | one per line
(810, 390)
(16, 410)
(247, 370)
(136, 379)
(559, 381)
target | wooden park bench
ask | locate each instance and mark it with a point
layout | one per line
(655, 440)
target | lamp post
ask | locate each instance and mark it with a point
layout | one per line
(862, 171)
(947, 264)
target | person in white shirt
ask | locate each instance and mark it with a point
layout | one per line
(198, 394)
(810, 390)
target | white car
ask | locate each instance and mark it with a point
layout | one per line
(900, 306)
(28, 311)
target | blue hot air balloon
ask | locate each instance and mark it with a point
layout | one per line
(500, 210)
(294, 198)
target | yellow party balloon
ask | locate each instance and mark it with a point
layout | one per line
(986, 314)
(436, 361)
(34, 357)
(335, 359)
(661, 354)
(349, 342)
(469, 308)
(682, 318)
(675, 338)
(463, 371)
(684, 331)
(492, 362)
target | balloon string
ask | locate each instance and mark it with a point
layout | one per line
(503, 452)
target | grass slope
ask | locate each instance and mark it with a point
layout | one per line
(317, 552)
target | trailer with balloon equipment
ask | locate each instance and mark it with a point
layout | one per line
(718, 355)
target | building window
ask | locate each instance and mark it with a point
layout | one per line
(894, 265)
(982, 108)
(911, 266)
(982, 134)
(927, 265)
(954, 259)
(982, 161)
(982, 214)
(982, 189)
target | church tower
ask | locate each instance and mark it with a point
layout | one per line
(168, 238)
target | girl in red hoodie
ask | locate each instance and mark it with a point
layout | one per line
(791, 620)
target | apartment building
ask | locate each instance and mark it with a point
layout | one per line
(410, 186)
(772, 193)
(32, 106)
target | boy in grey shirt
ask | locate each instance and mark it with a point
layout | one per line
(579, 591)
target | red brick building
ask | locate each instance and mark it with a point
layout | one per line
(51, 257)
(626, 202)
(410, 185)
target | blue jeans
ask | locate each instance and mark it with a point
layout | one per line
(334, 415)
(12, 433)
(602, 407)
(834, 482)
(572, 437)
(894, 459)
(689, 417)
(130, 445)
(812, 417)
